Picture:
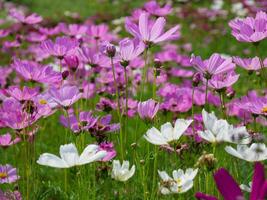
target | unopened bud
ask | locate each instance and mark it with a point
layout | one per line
(196, 79)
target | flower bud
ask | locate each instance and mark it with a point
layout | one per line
(72, 62)
(65, 74)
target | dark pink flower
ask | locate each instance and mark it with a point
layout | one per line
(148, 109)
(109, 148)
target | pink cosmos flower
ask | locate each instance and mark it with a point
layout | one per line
(148, 109)
(154, 8)
(251, 64)
(250, 29)
(61, 47)
(99, 33)
(8, 174)
(129, 50)
(24, 94)
(212, 66)
(85, 121)
(32, 71)
(66, 95)
(31, 19)
(8, 195)
(109, 148)
(151, 33)
(6, 140)
(73, 30)
(230, 190)
(224, 80)
(92, 57)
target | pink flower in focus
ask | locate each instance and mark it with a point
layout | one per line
(151, 33)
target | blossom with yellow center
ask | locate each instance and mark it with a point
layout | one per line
(3, 175)
(42, 101)
(264, 109)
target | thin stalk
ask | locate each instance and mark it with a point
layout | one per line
(192, 110)
(126, 96)
(118, 106)
(154, 83)
(222, 104)
(154, 185)
(144, 73)
(206, 92)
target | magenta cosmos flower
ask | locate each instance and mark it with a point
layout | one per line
(212, 66)
(66, 95)
(250, 29)
(61, 47)
(250, 64)
(154, 8)
(84, 123)
(8, 195)
(152, 32)
(6, 140)
(109, 148)
(8, 174)
(32, 71)
(129, 50)
(31, 19)
(24, 94)
(230, 190)
(148, 109)
(224, 80)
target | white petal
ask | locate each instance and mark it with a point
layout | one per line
(51, 160)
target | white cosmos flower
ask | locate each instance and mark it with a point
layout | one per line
(218, 130)
(246, 188)
(256, 152)
(167, 132)
(122, 172)
(180, 181)
(69, 156)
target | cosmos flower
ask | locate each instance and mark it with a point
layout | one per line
(224, 80)
(8, 174)
(109, 148)
(31, 19)
(10, 195)
(167, 132)
(6, 140)
(122, 172)
(253, 153)
(66, 95)
(180, 182)
(69, 156)
(129, 50)
(151, 34)
(85, 122)
(220, 131)
(32, 71)
(212, 66)
(24, 94)
(230, 190)
(154, 8)
(61, 47)
(250, 29)
(250, 64)
(148, 109)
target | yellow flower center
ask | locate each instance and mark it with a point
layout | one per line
(3, 175)
(42, 101)
(178, 181)
(264, 109)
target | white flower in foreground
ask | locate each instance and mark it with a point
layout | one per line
(69, 156)
(122, 172)
(180, 182)
(256, 152)
(246, 188)
(218, 130)
(167, 132)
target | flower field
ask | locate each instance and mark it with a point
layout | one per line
(133, 100)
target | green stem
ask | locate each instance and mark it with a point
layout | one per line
(206, 93)
(144, 73)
